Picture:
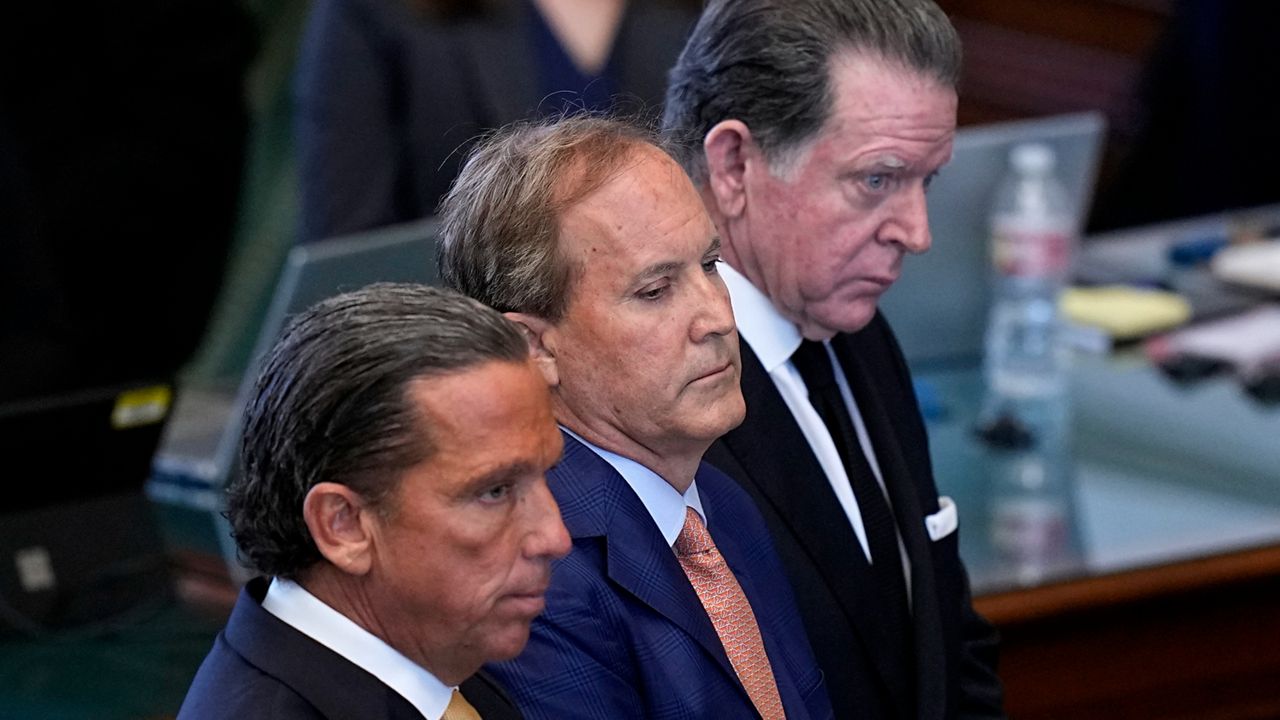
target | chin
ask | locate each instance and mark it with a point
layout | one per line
(736, 416)
(730, 412)
(846, 318)
(507, 645)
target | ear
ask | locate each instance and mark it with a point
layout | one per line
(728, 147)
(340, 524)
(539, 333)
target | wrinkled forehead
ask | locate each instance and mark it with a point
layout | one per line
(593, 167)
(873, 98)
(857, 78)
(646, 206)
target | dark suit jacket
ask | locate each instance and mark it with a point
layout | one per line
(624, 635)
(387, 98)
(261, 667)
(955, 649)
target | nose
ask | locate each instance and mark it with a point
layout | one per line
(909, 226)
(714, 313)
(547, 537)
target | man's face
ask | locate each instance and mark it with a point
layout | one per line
(825, 236)
(647, 352)
(463, 554)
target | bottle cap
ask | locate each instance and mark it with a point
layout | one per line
(1032, 158)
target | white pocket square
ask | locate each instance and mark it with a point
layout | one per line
(944, 522)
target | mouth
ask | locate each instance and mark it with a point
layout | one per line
(717, 373)
(883, 281)
(530, 602)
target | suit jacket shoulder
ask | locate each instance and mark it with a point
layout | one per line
(260, 667)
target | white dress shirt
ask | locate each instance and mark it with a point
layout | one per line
(774, 339)
(309, 615)
(665, 504)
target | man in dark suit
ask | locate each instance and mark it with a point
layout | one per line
(672, 602)
(393, 491)
(812, 129)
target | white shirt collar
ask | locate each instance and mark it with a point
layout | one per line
(665, 504)
(307, 614)
(772, 337)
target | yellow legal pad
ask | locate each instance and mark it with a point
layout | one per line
(1125, 312)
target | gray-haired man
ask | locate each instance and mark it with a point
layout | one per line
(812, 129)
(672, 604)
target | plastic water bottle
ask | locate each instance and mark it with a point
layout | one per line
(1032, 241)
(1025, 418)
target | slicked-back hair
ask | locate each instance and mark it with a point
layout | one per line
(768, 64)
(500, 222)
(332, 404)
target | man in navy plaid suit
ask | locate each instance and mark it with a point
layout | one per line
(588, 235)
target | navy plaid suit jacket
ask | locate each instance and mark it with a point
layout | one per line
(624, 635)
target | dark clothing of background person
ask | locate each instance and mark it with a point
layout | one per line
(122, 132)
(389, 96)
(1209, 118)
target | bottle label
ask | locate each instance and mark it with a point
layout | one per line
(1020, 250)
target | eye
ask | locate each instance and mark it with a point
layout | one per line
(709, 265)
(653, 292)
(496, 493)
(877, 181)
(930, 178)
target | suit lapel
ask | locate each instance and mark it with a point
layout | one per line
(775, 454)
(488, 697)
(334, 685)
(638, 558)
(930, 679)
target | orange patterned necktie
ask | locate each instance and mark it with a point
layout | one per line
(730, 613)
(459, 709)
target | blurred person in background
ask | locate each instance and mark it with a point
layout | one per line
(1206, 141)
(390, 92)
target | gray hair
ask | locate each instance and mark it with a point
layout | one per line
(331, 404)
(768, 64)
(500, 223)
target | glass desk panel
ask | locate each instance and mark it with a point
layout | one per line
(1161, 473)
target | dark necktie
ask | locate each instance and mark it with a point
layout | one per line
(814, 365)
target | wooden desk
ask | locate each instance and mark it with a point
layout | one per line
(1195, 639)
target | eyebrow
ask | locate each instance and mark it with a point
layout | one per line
(502, 473)
(891, 162)
(660, 268)
(668, 266)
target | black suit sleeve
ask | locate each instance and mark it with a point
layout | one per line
(981, 694)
